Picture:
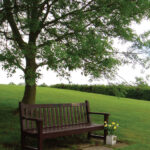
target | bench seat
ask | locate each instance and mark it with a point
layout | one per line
(74, 129)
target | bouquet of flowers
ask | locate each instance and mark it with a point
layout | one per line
(111, 128)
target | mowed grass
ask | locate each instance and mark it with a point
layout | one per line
(132, 115)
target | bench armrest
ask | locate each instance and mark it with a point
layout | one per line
(97, 113)
(106, 115)
(39, 123)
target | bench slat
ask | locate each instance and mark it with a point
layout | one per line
(84, 114)
(71, 116)
(40, 112)
(31, 115)
(57, 119)
(60, 116)
(64, 115)
(82, 109)
(37, 113)
(53, 117)
(78, 115)
(68, 115)
(49, 118)
(45, 117)
(75, 115)
(24, 121)
(27, 121)
(81, 112)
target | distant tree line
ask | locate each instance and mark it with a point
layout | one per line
(12, 83)
(138, 91)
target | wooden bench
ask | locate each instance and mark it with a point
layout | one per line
(44, 121)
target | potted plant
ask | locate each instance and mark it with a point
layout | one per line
(111, 138)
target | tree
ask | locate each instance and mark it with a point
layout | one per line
(64, 35)
(140, 82)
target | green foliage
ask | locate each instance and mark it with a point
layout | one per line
(21, 84)
(43, 85)
(11, 83)
(141, 83)
(65, 35)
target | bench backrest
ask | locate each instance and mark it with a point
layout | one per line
(55, 115)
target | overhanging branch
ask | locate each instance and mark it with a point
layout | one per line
(9, 15)
(6, 36)
(67, 14)
(42, 64)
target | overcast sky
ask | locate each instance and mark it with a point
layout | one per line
(125, 73)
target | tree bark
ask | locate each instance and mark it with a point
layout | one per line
(30, 81)
(29, 94)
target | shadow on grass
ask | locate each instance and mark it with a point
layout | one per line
(61, 143)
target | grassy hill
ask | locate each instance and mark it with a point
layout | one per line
(132, 115)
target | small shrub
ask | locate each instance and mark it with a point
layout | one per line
(12, 83)
(43, 85)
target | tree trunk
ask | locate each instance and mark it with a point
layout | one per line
(29, 94)
(30, 81)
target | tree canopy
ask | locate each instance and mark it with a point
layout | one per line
(65, 35)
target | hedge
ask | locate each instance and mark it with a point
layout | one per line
(135, 92)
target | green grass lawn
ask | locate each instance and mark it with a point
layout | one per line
(132, 115)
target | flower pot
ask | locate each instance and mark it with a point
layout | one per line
(111, 139)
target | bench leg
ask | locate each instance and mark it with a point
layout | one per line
(22, 141)
(40, 143)
(89, 135)
(105, 134)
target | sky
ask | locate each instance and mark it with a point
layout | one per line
(125, 73)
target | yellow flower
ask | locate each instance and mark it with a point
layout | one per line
(115, 127)
(105, 125)
(113, 123)
(110, 125)
(117, 124)
(105, 121)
